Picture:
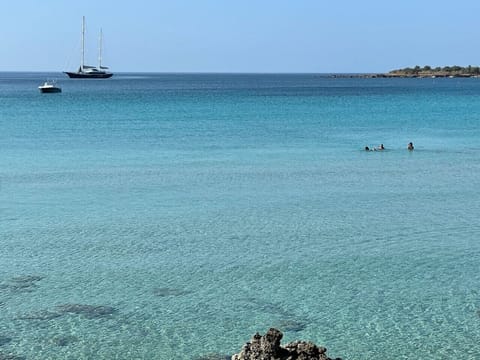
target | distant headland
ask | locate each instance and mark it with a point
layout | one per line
(424, 72)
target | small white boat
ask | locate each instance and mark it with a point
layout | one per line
(50, 87)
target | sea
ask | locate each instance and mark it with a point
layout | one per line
(173, 216)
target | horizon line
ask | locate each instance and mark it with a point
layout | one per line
(205, 72)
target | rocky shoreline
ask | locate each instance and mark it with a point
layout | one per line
(408, 76)
(267, 347)
(426, 71)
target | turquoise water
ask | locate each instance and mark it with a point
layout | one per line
(172, 216)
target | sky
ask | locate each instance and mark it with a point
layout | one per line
(238, 36)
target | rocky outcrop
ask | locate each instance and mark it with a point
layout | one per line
(267, 347)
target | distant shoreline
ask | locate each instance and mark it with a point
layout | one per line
(427, 71)
(391, 74)
(388, 75)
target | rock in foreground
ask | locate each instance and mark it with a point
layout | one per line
(267, 347)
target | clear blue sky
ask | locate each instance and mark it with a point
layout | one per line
(241, 35)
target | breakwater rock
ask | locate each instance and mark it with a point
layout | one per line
(267, 347)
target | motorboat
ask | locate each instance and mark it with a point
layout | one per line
(50, 87)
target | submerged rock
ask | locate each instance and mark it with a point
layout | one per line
(64, 340)
(4, 340)
(21, 284)
(267, 347)
(4, 356)
(89, 311)
(170, 292)
(27, 278)
(292, 325)
(214, 357)
(39, 315)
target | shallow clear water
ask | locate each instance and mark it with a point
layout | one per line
(190, 211)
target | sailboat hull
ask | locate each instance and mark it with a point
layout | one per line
(78, 75)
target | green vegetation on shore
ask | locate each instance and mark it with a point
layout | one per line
(455, 70)
(421, 72)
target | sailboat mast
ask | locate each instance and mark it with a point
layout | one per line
(100, 50)
(82, 61)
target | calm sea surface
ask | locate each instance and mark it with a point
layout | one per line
(172, 216)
